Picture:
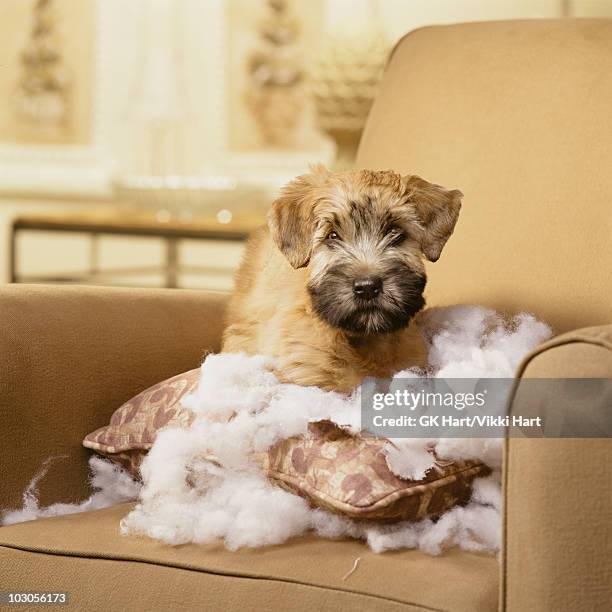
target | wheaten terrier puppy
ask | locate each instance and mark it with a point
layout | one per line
(331, 286)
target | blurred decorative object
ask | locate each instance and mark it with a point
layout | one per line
(156, 119)
(156, 112)
(187, 197)
(275, 74)
(346, 73)
(43, 89)
(162, 175)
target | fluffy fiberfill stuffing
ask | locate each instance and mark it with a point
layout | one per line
(234, 502)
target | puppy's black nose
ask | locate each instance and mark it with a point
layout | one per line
(367, 287)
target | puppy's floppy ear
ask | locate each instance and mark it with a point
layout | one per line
(291, 219)
(437, 210)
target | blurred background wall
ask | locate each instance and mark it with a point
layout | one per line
(140, 141)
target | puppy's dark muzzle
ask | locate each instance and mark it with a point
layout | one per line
(367, 288)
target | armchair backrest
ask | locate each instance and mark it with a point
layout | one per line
(518, 115)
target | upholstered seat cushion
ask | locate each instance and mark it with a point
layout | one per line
(72, 553)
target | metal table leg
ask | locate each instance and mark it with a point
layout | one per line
(13, 255)
(94, 264)
(171, 263)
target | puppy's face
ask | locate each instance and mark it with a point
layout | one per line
(363, 236)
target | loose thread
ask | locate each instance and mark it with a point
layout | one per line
(357, 560)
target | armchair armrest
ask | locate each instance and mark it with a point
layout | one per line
(557, 552)
(69, 356)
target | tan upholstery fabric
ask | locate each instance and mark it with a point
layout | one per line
(70, 355)
(102, 585)
(516, 115)
(303, 574)
(558, 495)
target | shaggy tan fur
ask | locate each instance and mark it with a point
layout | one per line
(272, 312)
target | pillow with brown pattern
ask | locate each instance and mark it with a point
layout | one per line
(134, 425)
(347, 474)
(330, 467)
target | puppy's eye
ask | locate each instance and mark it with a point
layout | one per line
(395, 235)
(333, 235)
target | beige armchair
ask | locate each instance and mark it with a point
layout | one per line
(517, 115)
